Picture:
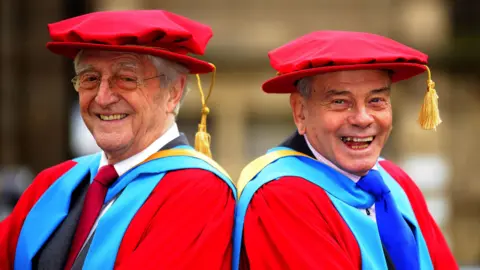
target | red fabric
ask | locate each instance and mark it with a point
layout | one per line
(10, 227)
(91, 209)
(292, 224)
(440, 253)
(325, 51)
(186, 223)
(155, 32)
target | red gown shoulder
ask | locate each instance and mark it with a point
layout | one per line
(292, 224)
(186, 223)
(11, 227)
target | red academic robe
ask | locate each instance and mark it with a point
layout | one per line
(292, 224)
(186, 223)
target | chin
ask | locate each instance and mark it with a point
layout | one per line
(361, 170)
(111, 143)
(357, 166)
(110, 147)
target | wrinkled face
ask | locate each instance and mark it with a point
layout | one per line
(122, 103)
(347, 117)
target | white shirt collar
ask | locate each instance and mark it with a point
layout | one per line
(327, 162)
(125, 165)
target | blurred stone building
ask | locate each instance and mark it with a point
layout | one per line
(36, 97)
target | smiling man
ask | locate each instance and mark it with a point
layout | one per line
(148, 200)
(325, 199)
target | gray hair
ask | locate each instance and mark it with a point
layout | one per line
(170, 70)
(305, 86)
(76, 61)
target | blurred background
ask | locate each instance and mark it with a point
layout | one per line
(40, 124)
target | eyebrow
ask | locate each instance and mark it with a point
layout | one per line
(381, 90)
(126, 65)
(82, 68)
(88, 67)
(335, 92)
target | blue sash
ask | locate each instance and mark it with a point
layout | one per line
(139, 182)
(346, 198)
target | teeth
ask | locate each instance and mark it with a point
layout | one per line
(367, 139)
(112, 117)
(359, 146)
(355, 139)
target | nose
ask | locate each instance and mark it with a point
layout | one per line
(105, 96)
(361, 118)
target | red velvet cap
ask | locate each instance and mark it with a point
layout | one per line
(154, 32)
(326, 51)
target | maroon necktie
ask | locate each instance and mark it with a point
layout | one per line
(91, 209)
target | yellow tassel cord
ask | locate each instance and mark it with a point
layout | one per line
(429, 117)
(202, 138)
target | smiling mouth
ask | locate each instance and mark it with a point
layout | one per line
(112, 117)
(357, 143)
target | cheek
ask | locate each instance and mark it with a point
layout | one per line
(150, 107)
(135, 102)
(84, 102)
(155, 98)
(161, 104)
(324, 123)
(385, 121)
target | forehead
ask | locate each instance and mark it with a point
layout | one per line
(97, 58)
(352, 80)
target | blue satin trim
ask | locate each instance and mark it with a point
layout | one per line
(138, 183)
(49, 212)
(347, 199)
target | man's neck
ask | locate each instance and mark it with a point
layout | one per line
(146, 140)
(327, 162)
(129, 162)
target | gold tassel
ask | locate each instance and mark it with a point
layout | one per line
(202, 138)
(429, 117)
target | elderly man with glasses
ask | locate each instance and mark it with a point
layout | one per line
(148, 200)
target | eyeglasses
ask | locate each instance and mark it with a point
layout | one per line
(86, 82)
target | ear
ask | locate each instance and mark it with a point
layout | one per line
(298, 104)
(176, 93)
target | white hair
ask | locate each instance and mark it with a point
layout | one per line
(170, 70)
(76, 62)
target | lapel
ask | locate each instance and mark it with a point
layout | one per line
(180, 140)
